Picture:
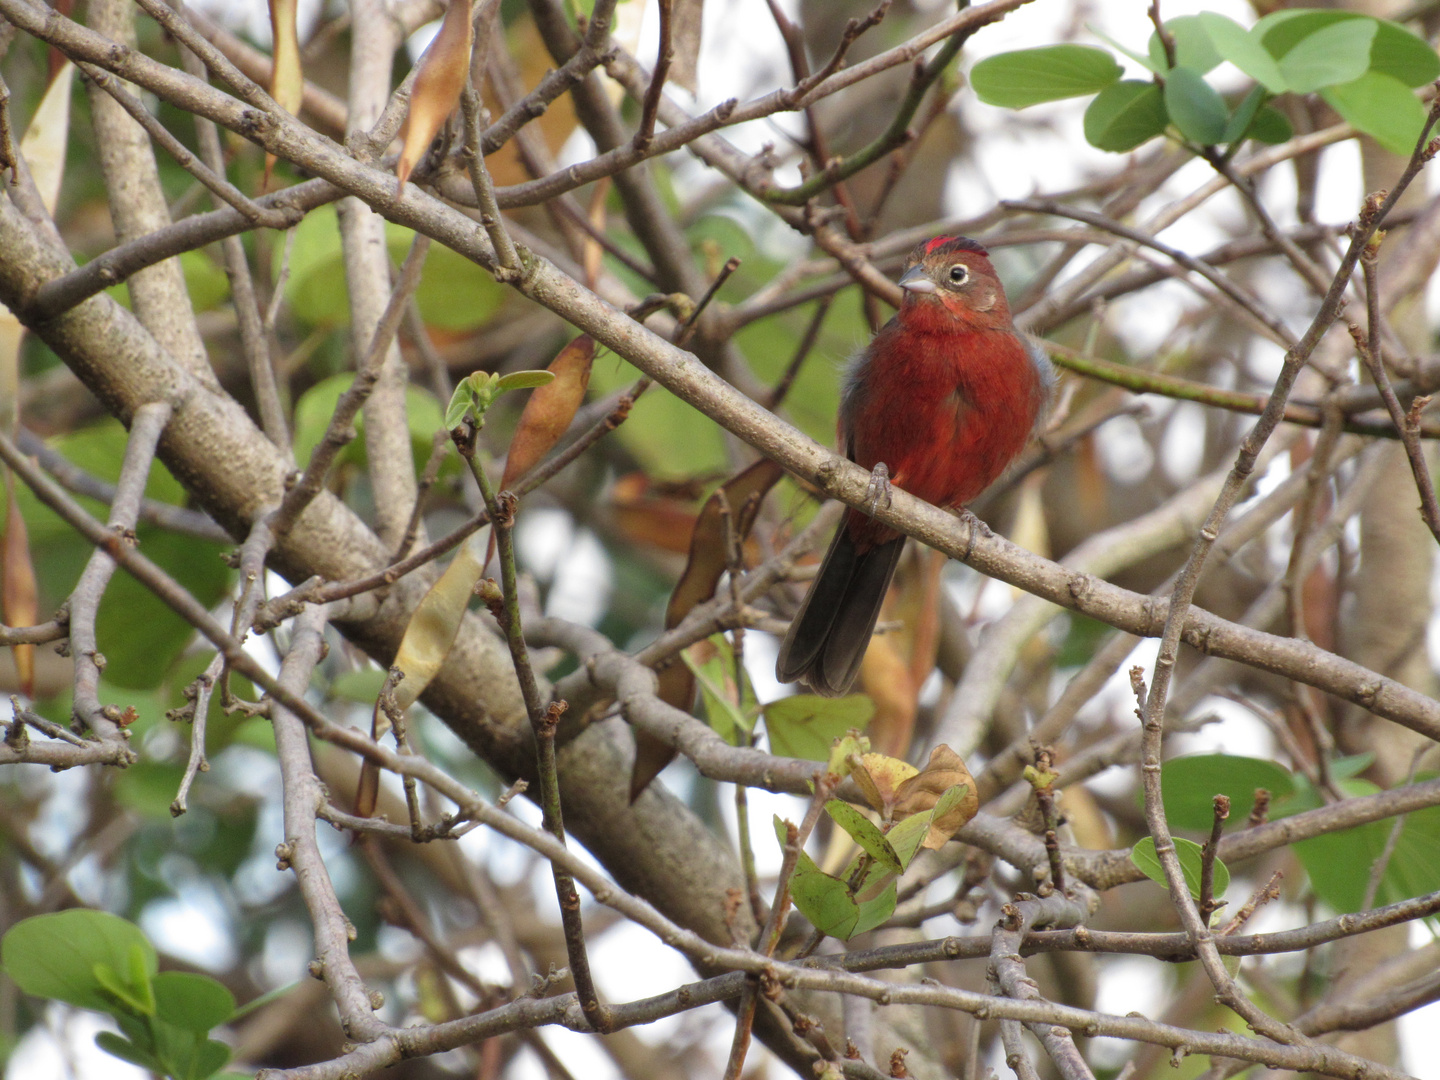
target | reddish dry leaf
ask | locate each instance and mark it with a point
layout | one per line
(550, 409)
(438, 86)
(708, 561)
(21, 595)
(923, 618)
(708, 557)
(548, 413)
(660, 522)
(287, 79)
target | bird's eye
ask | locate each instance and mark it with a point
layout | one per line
(958, 274)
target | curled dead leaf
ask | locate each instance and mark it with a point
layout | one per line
(926, 789)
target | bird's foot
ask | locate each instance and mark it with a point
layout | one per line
(976, 527)
(968, 516)
(878, 492)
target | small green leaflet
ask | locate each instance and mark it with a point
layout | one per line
(1143, 856)
(479, 390)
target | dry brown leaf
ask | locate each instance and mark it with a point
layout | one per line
(921, 792)
(550, 409)
(438, 86)
(548, 414)
(708, 560)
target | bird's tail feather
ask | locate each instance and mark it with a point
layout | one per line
(828, 638)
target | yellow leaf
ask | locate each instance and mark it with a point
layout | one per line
(427, 642)
(287, 79)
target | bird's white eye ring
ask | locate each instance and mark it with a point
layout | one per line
(958, 274)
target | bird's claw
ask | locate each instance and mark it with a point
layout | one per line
(968, 516)
(878, 492)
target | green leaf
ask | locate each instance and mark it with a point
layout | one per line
(1244, 49)
(315, 407)
(1339, 864)
(907, 836)
(1282, 30)
(1343, 768)
(133, 994)
(823, 899)
(1140, 58)
(55, 955)
(462, 400)
(524, 380)
(1337, 54)
(212, 1056)
(1030, 76)
(1193, 47)
(873, 912)
(828, 902)
(1143, 856)
(1271, 126)
(141, 636)
(804, 725)
(1194, 107)
(362, 687)
(864, 832)
(192, 1001)
(669, 439)
(1190, 785)
(454, 293)
(207, 284)
(125, 1050)
(1125, 115)
(1401, 55)
(716, 680)
(1382, 107)
(1239, 124)
(188, 1055)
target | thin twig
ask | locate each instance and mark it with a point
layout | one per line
(543, 720)
(664, 54)
(1368, 349)
(507, 258)
(1208, 903)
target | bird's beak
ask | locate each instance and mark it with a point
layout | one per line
(916, 280)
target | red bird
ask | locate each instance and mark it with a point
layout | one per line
(944, 397)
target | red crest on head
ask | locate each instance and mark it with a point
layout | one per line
(957, 243)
